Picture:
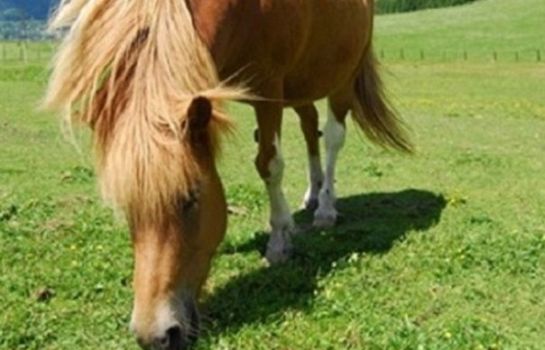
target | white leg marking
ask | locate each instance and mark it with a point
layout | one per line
(279, 246)
(315, 180)
(334, 136)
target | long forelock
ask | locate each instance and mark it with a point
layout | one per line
(129, 70)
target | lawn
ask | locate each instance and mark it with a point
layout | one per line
(441, 250)
(480, 29)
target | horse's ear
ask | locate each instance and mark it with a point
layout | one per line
(199, 114)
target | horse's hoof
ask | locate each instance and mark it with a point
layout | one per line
(325, 219)
(280, 247)
(275, 257)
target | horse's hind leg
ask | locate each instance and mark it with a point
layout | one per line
(334, 138)
(270, 165)
(308, 115)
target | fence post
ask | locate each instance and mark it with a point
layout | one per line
(421, 55)
(538, 54)
(25, 53)
(381, 54)
(465, 55)
(402, 54)
(495, 56)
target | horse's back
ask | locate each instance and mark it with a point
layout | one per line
(313, 45)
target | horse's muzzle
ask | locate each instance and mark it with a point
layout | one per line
(173, 339)
(176, 337)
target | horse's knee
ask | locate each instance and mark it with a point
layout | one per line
(262, 163)
(270, 165)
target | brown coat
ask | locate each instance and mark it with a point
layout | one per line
(313, 46)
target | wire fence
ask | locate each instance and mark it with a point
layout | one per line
(26, 52)
(36, 52)
(429, 55)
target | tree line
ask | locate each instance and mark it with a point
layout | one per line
(392, 6)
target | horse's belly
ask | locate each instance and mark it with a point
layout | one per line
(301, 90)
(323, 73)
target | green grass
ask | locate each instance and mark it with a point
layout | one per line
(14, 52)
(480, 28)
(443, 250)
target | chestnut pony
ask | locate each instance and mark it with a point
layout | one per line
(149, 78)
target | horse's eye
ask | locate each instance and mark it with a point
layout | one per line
(190, 202)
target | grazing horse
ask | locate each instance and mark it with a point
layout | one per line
(149, 78)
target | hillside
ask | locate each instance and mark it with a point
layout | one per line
(472, 88)
(484, 25)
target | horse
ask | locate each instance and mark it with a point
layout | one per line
(150, 79)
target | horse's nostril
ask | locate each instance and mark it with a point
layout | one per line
(173, 340)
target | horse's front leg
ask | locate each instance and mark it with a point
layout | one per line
(270, 165)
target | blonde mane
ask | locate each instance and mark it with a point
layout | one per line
(129, 69)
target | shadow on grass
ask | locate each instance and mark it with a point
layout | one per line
(370, 223)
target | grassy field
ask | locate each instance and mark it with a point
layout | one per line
(13, 52)
(443, 250)
(480, 29)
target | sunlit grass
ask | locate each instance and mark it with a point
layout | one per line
(442, 250)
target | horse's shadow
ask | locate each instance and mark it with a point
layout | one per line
(370, 224)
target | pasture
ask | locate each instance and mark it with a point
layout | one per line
(441, 250)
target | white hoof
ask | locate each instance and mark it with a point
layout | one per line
(280, 247)
(325, 218)
(275, 257)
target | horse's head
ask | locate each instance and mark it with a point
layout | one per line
(130, 72)
(173, 252)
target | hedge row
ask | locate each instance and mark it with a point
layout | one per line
(391, 6)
